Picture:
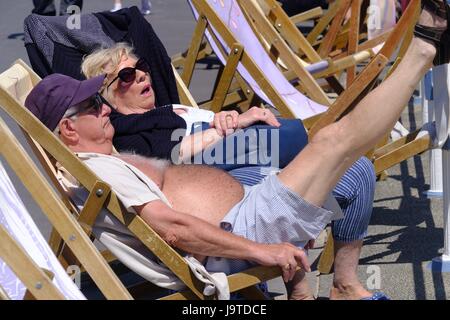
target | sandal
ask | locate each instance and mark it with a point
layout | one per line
(440, 37)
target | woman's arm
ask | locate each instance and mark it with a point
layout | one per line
(197, 142)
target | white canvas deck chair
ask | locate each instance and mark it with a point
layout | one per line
(218, 21)
(102, 197)
(24, 253)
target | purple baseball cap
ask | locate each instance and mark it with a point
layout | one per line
(56, 93)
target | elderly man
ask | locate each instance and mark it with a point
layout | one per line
(265, 224)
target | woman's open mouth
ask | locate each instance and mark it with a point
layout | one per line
(146, 91)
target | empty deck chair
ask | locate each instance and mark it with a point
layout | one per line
(268, 19)
(23, 247)
(253, 63)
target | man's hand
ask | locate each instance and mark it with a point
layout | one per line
(254, 115)
(285, 255)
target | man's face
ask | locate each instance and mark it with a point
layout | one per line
(93, 126)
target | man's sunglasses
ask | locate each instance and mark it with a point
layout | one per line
(128, 74)
(94, 103)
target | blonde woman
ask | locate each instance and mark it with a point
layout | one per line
(146, 6)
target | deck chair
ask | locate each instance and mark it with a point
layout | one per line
(227, 28)
(222, 38)
(354, 52)
(268, 19)
(24, 253)
(206, 51)
(243, 281)
(249, 61)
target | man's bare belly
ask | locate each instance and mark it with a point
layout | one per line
(202, 191)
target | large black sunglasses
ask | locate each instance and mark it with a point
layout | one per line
(128, 74)
(95, 103)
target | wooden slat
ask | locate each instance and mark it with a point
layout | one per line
(253, 293)
(226, 78)
(330, 37)
(348, 98)
(353, 38)
(185, 96)
(239, 280)
(93, 206)
(193, 51)
(326, 260)
(307, 15)
(178, 60)
(323, 22)
(402, 153)
(367, 45)
(23, 266)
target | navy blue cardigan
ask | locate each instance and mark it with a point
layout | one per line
(147, 134)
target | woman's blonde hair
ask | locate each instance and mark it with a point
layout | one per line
(106, 60)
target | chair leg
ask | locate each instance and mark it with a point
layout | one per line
(326, 261)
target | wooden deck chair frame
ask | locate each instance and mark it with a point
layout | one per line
(330, 26)
(238, 91)
(59, 216)
(243, 282)
(38, 283)
(348, 99)
(355, 53)
(207, 19)
(221, 96)
(284, 41)
(178, 59)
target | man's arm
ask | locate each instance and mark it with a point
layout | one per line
(196, 236)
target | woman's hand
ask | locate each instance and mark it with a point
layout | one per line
(254, 115)
(225, 122)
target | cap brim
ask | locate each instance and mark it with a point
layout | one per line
(87, 89)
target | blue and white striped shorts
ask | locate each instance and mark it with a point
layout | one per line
(271, 213)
